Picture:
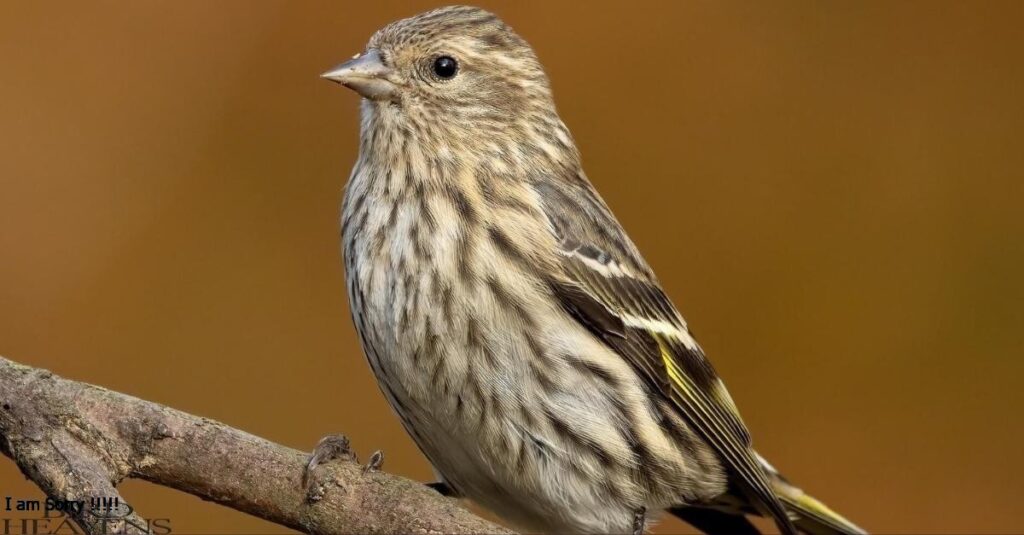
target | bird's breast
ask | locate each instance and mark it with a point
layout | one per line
(489, 375)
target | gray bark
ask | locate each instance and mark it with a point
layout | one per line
(78, 441)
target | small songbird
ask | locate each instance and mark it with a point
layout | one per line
(517, 332)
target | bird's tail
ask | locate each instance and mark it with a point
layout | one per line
(808, 514)
(727, 514)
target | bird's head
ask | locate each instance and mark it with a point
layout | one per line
(453, 68)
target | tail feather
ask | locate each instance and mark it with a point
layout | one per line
(813, 517)
(808, 514)
(727, 514)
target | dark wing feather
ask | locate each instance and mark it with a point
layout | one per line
(606, 285)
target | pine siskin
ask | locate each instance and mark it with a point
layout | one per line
(513, 326)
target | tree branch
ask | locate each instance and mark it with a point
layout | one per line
(78, 441)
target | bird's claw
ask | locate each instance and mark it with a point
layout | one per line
(375, 462)
(639, 519)
(329, 448)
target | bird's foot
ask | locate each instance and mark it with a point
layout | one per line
(444, 489)
(639, 519)
(375, 462)
(329, 448)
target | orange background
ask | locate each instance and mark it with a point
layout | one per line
(831, 191)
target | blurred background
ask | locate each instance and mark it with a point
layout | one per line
(831, 192)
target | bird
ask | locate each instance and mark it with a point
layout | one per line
(515, 329)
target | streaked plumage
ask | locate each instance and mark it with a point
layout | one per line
(514, 327)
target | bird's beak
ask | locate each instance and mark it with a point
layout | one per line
(365, 74)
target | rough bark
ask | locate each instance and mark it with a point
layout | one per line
(78, 441)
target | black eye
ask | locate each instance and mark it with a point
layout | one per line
(446, 67)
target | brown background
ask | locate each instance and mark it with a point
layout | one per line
(830, 190)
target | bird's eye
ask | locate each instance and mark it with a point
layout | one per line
(445, 67)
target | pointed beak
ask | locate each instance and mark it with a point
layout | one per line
(365, 74)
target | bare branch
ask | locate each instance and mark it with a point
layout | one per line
(78, 441)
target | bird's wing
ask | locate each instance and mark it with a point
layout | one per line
(606, 286)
